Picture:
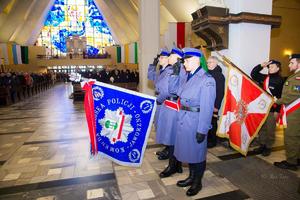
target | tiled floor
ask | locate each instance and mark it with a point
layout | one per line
(44, 154)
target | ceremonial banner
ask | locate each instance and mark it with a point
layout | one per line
(10, 53)
(24, 54)
(122, 53)
(133, 53)
(119, 59)
(178, 34)
(126, 53)
(246, 107)
(19, 55)
(15, 55)
(119, 122)
(4, 55)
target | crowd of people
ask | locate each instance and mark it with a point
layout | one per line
(15, 86)
(113, 76)
(188, 131)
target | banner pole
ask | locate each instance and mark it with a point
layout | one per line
(228, 64)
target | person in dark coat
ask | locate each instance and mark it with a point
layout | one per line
(123, 76)
(116, 76)
(105, 75)
(215, 70)
(131, 76)
(273, 84)
(136, 77)
(127, 76)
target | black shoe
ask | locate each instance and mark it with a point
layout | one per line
(173, 167)
(179, 167)
(163, 156)
(165, 151)
(260, 149)
(285, 165)
(266, 152)
(195, 187)
(189, 180)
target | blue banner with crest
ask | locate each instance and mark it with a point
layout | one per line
(123, 120)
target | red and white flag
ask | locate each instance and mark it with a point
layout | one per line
(246, 107)
(285, 111)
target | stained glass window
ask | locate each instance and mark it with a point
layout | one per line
(80, 18)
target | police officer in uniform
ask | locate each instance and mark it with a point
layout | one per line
(290, 94)
(166, 126)
(160, 79)
(272, 83)
(216, 71)
(197, 93)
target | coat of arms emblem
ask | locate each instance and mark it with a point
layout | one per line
(116, 125)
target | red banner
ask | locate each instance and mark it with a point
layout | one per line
(246, 106)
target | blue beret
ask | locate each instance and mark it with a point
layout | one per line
(190, 52)
(295, 56)
(177, 51)
(164, 52)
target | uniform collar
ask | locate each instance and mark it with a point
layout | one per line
(195, 70)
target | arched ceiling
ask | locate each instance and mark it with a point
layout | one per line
(22, 20)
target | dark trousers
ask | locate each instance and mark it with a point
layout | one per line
(199, 168)
(267, 132)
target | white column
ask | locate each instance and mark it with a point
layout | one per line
(171, 35)
(249, 44)
(148, 41)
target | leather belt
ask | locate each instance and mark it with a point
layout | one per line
(172, 98)
(191, 109)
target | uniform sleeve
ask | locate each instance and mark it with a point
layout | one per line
(161, 97)
(289, 93)
(220, 84)
(151, 72)
(207, 100)
(280, 87)
(256, 75)
(173, 84)
(162, 86)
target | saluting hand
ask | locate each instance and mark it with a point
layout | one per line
(176, 68)
(265, 64)
(155, 61)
